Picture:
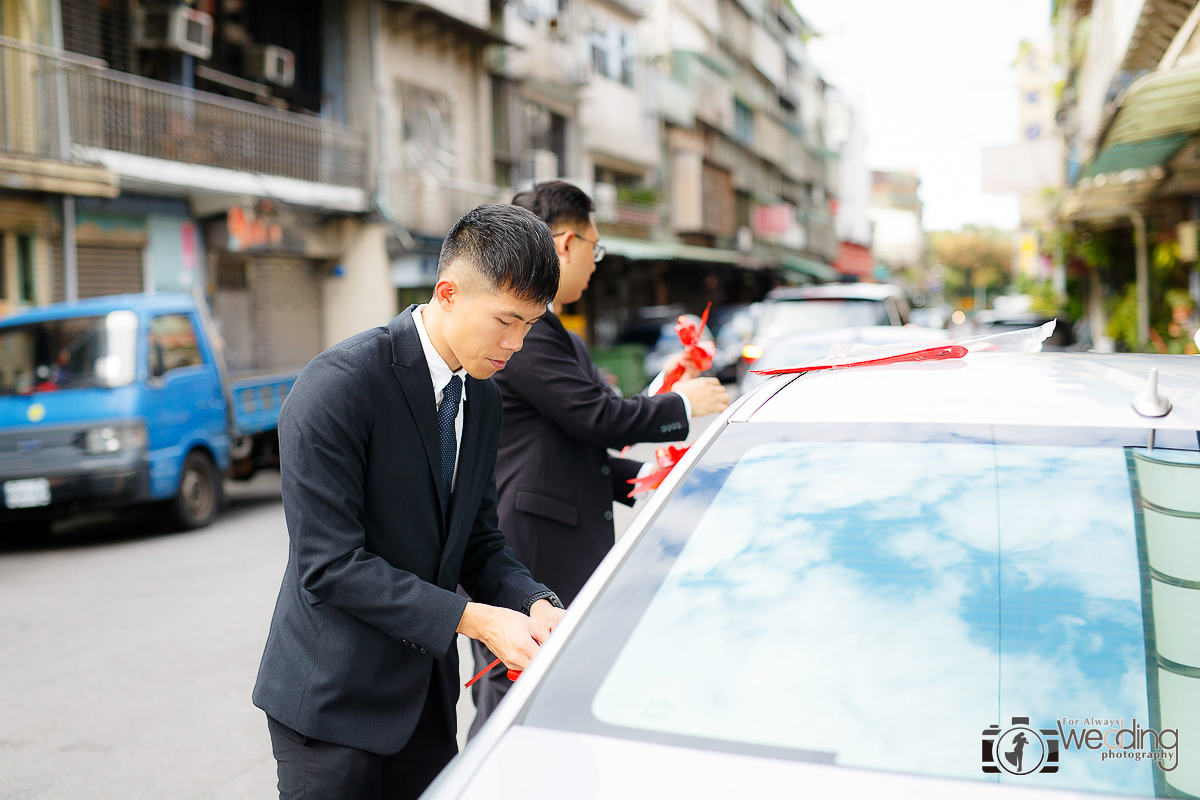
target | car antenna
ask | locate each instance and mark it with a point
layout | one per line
(1151, 403)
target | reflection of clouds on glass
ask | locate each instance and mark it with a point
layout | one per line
(843, 598)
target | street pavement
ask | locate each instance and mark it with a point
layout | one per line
(128, 654)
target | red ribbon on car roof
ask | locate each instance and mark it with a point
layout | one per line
(700, 353)
(941, 353)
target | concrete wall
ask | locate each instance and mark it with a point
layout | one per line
(362, 296)
(424, 59)
(614, 123)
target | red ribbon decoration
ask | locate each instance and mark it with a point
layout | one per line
(666, 458)
(700, 353)
(942, 353)
(513, 674)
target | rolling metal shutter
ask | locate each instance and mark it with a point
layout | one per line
(286, 296)
(100, 270)
(108, 270)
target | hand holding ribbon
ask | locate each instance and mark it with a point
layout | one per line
(700, 353)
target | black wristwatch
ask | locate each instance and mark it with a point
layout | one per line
(551, 596)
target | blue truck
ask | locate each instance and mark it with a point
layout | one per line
(124, 400)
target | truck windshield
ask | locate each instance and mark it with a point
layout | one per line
(73, 353)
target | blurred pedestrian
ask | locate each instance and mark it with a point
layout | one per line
(388, 450)
(556, 478)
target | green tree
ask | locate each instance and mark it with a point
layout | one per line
(972, 259)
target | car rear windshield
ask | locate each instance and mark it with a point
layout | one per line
(967, 602)
(793, 316)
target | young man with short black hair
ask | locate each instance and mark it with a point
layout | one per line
(388, 450)
(556, 478)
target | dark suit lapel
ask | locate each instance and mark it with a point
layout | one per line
(462, 517)
(412, 373)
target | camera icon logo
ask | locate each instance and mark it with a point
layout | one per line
(1020, 749)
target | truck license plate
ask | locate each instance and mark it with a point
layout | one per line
(30, 493)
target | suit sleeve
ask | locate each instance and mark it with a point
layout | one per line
(324, 429)
(623, 470)
(490, 572)
(569, 391)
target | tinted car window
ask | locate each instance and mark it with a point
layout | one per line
(791, 316)
(894, 597)
(172, 344)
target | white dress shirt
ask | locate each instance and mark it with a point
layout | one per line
(440, 372)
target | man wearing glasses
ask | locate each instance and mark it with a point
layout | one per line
(556, 479)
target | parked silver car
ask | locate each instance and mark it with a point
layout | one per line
(940, 580)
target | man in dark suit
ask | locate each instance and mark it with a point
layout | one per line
(388, 449)
(556, 477)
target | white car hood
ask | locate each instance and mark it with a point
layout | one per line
(538, 764)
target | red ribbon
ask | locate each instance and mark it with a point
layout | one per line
(700, 353)
(513, 674)
(666, 458)
(932, 354)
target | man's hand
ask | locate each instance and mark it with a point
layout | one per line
(509, 634)
(689, 368)
(544, 617)
(706, 395)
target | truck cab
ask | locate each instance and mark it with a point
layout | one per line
(118, 401)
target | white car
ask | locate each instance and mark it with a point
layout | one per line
(939, 580)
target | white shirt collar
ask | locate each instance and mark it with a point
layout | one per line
(439, 370)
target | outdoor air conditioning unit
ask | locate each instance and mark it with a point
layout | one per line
(179, 28)
(270, 63)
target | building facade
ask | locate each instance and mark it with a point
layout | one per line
(303, 161)
(1130, 120)
(190, 148)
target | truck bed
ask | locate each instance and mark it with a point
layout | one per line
(256, 401)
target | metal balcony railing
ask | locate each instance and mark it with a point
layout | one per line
(61, 106)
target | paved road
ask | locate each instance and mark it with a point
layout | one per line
(128, 653)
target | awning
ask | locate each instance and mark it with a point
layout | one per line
(646, 250)
(1135, 155)
(814, 269)
(1156, 116)
(1157, 105)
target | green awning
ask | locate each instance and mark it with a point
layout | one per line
(646, 250)
(1158, 105)
(1135, 155)
(814, 269)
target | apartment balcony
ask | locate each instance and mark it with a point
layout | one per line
(429, 206)
(62, 107)
(822, 236)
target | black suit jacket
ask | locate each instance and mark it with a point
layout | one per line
(368, 599)
(557, 480)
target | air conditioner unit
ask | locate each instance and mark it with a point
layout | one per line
(272, 64)
(179, 28)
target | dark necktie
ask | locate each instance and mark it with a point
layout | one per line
(446, 415)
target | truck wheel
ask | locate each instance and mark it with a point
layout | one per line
(200, 491)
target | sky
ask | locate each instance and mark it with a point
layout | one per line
(935, 82)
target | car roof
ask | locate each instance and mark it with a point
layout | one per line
(1063, 389)
(142, 304)
(838, 291)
